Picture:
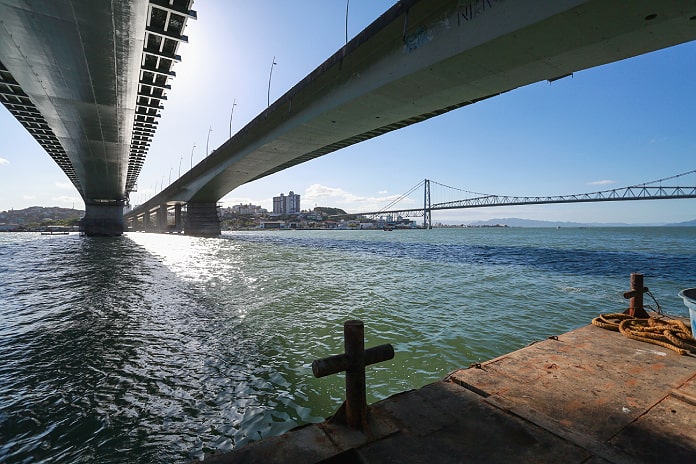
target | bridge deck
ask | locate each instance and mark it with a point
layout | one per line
(591, 396)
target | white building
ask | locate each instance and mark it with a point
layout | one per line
(289, 204)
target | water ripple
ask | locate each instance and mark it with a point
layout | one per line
(152, 348)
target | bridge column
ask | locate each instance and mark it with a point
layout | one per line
(202, 220)
(162, 219)
(146, 221)
(178, 224)
(102, 220)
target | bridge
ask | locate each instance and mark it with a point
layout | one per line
(420, 59)
(88, 80)
(653, 190)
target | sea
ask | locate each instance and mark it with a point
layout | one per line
(151, 348)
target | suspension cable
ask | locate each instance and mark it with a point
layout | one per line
(462, 190)
(405, 195)
(666, 178)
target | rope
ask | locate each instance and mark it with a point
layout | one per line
(670, 334)
(658, 310)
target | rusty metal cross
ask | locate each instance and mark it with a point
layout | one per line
(353, 362)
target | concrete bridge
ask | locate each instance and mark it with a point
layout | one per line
(87, 78)
(420, 59)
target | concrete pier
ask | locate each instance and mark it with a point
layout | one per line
(162, 219)
(202, 220)
(178, 222)
(102, 220)
(588, 396)
(146, 222)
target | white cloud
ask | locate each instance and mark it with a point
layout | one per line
(317, 191)
(339, 198)
(602, 182)
(4, 162)
(64, 185)
(29, 197)
(382, 192)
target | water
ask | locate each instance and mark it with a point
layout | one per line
(154, 348)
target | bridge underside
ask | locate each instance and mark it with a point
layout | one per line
(86, 79)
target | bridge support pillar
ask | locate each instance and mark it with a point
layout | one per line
(162, 219)
(102, 220)
(146, 221)
(202, 220)
(178, 224)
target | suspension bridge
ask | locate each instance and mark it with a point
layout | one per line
(653, 190)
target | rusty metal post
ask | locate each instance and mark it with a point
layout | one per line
(635, 296)
(356, 396)
(353, 361)
(636, 300)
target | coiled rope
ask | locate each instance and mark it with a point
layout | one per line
(672, 334)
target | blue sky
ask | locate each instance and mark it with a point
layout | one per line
(616, 125)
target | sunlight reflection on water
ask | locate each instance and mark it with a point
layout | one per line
(158, 348)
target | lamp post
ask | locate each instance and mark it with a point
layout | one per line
(234, 103)
(194, 147)
(208, 140)
(180, 160)
(170, 176)
(270, 75)
(347, 3)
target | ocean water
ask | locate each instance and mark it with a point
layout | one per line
(161, 348)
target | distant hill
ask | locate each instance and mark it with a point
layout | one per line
(516, 222)
(38, 214)
(691, 223)
(329, 211)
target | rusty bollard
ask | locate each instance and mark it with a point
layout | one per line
(353, 362)
(635, 297)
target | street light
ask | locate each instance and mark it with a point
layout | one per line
(234, 103)
(208, 140)
(269, 81)
(347, 3)
(180, 160)
(170, 176)
(194, 147)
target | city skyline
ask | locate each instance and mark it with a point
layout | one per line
(613, 126)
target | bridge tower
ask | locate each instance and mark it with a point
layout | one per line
(427, 214)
